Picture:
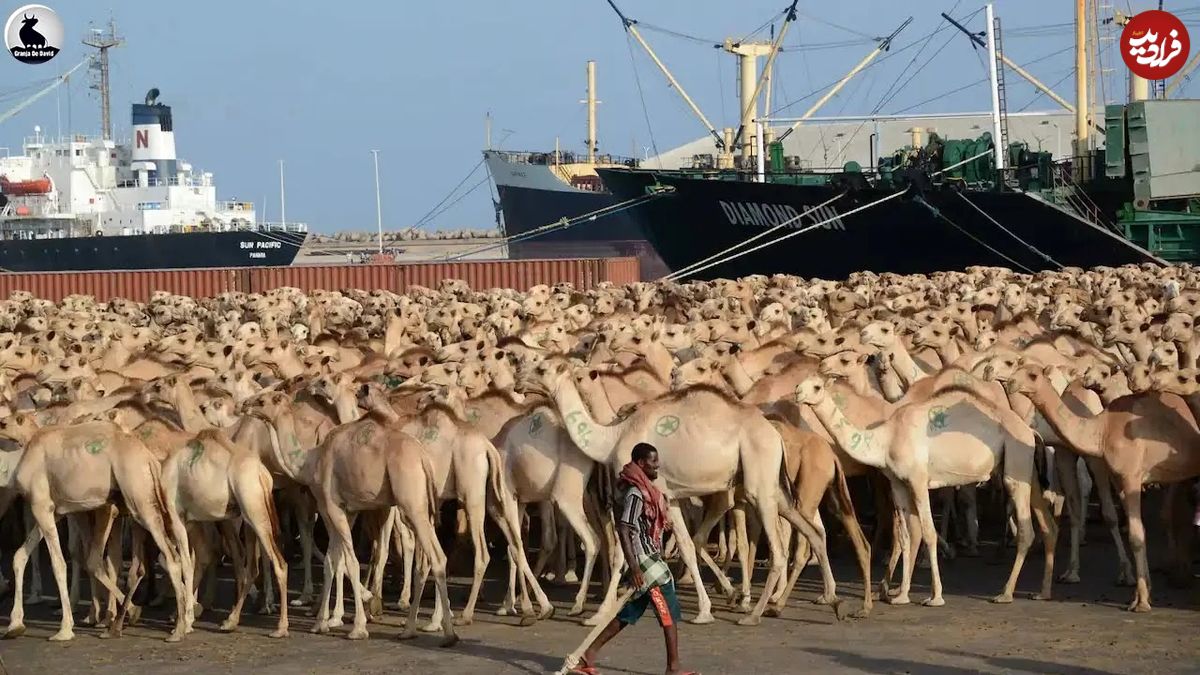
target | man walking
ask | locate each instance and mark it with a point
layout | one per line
(641, 523)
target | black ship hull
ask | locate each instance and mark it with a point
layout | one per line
(916, 233)
(617, 234)
(241, 248)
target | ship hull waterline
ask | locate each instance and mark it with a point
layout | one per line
(191, 250)
(703, 217)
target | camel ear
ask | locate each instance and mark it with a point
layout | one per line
(751, 324)
(51, 335)
(501, 354)
(734, 349)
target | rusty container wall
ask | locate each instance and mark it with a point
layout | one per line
(517, 274)
(621, 271)
(131, 285)
(309, 278)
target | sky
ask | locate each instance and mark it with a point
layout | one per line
(319, 85)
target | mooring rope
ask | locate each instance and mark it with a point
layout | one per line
(1010, 233)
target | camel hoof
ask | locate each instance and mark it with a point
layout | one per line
(527, 620)
(431, 627)
(134, 615)
(280, 633)
(591, 621)
(359, 633)
(571, 577)
(547, 612)
(933, 602)
(407, 635)
(1139, 607)
(301, 601)
(575, 610)
(1003, 599)
(841, 610)
(750, 620)
(825, 600)
(1040, 596)
(1068, 578)
(174, 637)
(701, 619)
(449, 642)
(862, 613)
(505, 611)
(110, 634)
(899, 600)
(463, 621)
(14, 631)
(320, 628)
(64, 635)
(228, 626)
(773, 611)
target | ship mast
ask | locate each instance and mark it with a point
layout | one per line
(592, 143)
(102, 42)
(1081, 88)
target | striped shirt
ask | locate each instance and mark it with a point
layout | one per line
(647, 551)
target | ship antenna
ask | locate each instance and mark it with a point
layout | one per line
(102, 42)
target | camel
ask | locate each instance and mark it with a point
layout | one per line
(364, 465)
(73, 470)
(728, 436)
(1143, 438)
(953, 438)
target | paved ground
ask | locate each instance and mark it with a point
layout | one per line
(1083, 630)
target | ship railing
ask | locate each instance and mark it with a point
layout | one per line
(564, 157)
(235, 206)
(1065, 184)
(278, 227)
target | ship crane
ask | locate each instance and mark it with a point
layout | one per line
(43, 91)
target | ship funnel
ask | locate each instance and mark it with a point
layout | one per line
(154, 136)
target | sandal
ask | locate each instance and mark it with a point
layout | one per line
(583, 668)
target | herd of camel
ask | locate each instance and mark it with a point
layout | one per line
(181, 432)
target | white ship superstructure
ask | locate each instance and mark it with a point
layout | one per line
(80, 186)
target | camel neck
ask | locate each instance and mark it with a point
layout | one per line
(660, 361)
(346, 407)
(190, 417)
(949, 351)
(596, 440)
(866, 446)
(735, 373)
(906, 368)
(1084, 434)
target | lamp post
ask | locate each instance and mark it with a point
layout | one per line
(378, 209)
(282, 202)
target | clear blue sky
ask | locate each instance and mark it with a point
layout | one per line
(319, 84)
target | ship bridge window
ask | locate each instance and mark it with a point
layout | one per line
(78, 153)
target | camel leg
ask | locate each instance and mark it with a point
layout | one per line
(968, 500)
(509, 512)
(1131, 494)
(714, 508)
(130, 611)
(44, 526)
(146, 513)
(1064, 471)
(341, 523)
(266, 530)
(230, 538)
(380, 550)
(436, 560)
(576, 518)
(1048, 525)
(748, 530)
(405, 553)
(476, 513)
(616, 563)
(549, 539)
(1102, 479)
(35, 581)
(97, 549)
(904, 540)
(815, 534)
(1020, 494)
(929, 535)
(330, 572)
(687, 550)
(304, 523)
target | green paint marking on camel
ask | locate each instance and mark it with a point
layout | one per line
(473, 415)
(938, 419)
(839, 400)
(145, 433)
(363, 435)
(197, 449)
(536, 422)
(962, 379)
(95, 447)
(429, 434)
(583, 430)
(666, 425)
(860, 438)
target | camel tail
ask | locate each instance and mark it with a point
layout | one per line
(785, 481)
(496, 472)
(264, 479)
(841, 492)
(1041, 462)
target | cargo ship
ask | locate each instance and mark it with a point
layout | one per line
(967, 189)
(80, 203)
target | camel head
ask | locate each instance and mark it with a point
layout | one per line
(452, 398)
(879, 334)
(844, 364)
(1025, 379)
(219, 411)
(1164, 355)
(698, 371)
(1183, 382)
(499, 366)
(1126, 332)
(934, 335)
(1142, 377)
(1179, 327)
(329, 387)
(986, 340)
(823, 344)
(812, 391)
(544, 377)
(18, 428)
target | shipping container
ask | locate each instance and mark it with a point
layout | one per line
(480, 274)
(131, 285)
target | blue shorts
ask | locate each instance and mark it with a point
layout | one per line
(662, 598)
